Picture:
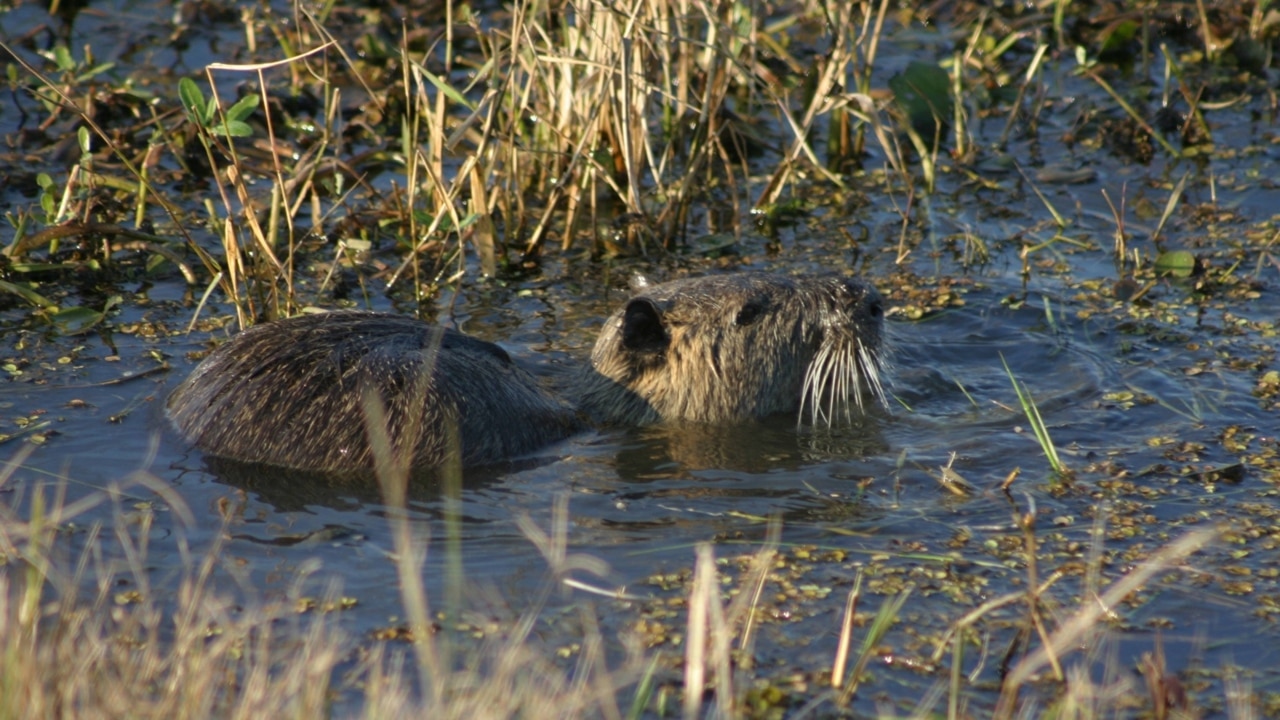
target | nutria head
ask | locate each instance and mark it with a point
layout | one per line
(739, 347)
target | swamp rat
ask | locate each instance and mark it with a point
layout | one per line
(718, 349)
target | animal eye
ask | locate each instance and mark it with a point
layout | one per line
(876, 308)
(749, 313)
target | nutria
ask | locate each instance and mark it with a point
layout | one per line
(729, 348)
(290, 393)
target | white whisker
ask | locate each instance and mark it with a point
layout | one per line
(837, 378)
(871, 368)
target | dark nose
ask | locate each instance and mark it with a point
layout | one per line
(865, 300)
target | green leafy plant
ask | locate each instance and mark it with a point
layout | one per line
(204, 113)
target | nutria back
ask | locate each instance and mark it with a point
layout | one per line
(290, 393)
(739, 347)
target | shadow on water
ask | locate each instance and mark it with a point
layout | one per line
(289, 490)
(777, 443)
(705, 463)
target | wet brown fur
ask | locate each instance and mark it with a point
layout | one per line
(290, 393)
(734, 348)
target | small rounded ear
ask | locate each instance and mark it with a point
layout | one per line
(642, 329)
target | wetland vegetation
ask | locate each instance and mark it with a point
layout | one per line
(1071, 208)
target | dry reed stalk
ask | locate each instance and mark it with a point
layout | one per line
(1075, 630)
(707, 641)
(133, 649)
(841, 660)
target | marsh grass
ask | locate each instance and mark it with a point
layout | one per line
(410, 155)
(89, 627)
(480, 145)
(86, 633)
(1083, 626)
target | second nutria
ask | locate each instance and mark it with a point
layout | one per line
(727, 348)
(291, 393)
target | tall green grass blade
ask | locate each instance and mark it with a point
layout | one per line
(1035, 420)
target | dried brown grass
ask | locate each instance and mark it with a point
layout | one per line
(100, 633)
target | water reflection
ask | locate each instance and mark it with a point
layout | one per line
(289, 490)
(774, 444)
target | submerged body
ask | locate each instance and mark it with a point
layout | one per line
(292, 393)
(729, 348)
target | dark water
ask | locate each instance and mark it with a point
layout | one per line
(1136, 399)
(639, 500)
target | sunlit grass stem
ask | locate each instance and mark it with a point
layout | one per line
(889, 612)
